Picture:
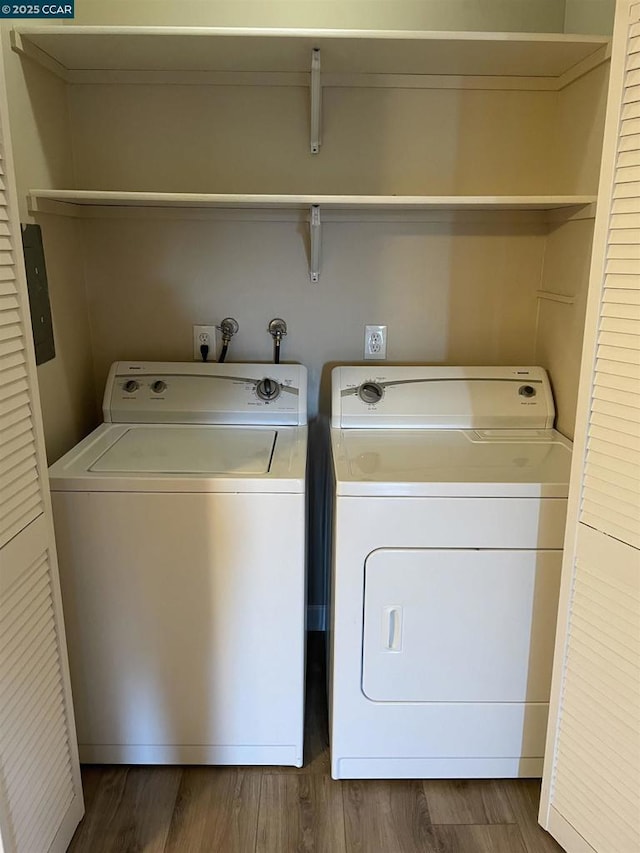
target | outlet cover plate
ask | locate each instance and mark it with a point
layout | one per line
(375, 342)
(204, 335)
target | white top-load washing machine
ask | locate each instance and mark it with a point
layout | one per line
(180, 525)
(449, 512)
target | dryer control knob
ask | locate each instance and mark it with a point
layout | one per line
(527, 391)
(268, 389)
(370, 392)
(131, 385)
(158, 386)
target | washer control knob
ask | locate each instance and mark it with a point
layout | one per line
(527, 391)
(268, 389)
(131, 385)
(370, 392)
(158, 386)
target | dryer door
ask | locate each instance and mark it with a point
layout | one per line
(459, 625)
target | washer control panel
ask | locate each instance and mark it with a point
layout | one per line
(159, 392)
(442, 398)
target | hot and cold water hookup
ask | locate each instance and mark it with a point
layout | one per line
(228, 329)
(277, 328)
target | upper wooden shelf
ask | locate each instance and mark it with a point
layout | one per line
(71, 50)
(38, 200)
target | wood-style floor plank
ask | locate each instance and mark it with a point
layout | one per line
(300, 812)
(496, 838)
(101, 812)
(92, 777)
(387, 815)
(468, 801)
(282, 809)
(147, 805)
(143, 815)
(524, 796)
(216, 810)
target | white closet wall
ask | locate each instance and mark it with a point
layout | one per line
(466, 296)
(590, 16)
(578, 130)
(255, 139)
(535, 16)
(39, 113)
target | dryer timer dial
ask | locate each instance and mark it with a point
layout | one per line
(527, 391)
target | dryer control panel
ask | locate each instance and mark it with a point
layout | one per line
(442, 398)
(211, 393)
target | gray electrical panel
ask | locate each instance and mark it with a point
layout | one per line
(38, 293)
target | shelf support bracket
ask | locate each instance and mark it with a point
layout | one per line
(316, 101)
(315, 233)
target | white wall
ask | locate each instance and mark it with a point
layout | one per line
(589, 16)
(40, 132)
(577, 141)
(514, 15)
(39, 120)
(466, 297)
(194, 138)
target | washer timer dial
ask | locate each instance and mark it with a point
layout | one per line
(268, 389)
(370, 392)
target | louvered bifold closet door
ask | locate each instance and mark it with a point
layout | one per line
(20, 493)
(611, 489)
(591, 790)
(40, 793)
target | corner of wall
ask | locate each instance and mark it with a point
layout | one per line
(41, 136)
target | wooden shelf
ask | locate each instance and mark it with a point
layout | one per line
(71, 51)
(86, 202)
(39, 199)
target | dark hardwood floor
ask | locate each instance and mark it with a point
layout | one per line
(286, 810)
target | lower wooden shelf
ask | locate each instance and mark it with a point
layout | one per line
(98, 198)
(91, 202)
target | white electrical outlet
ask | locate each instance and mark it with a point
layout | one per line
(204, 336)
(375, 342)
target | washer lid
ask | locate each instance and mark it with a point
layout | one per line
(188, 450)
(451, 462)
(185, 458)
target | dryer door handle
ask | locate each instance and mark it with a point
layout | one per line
(392, 628)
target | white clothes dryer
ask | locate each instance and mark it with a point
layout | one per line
(180, 526)
(450, 490)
